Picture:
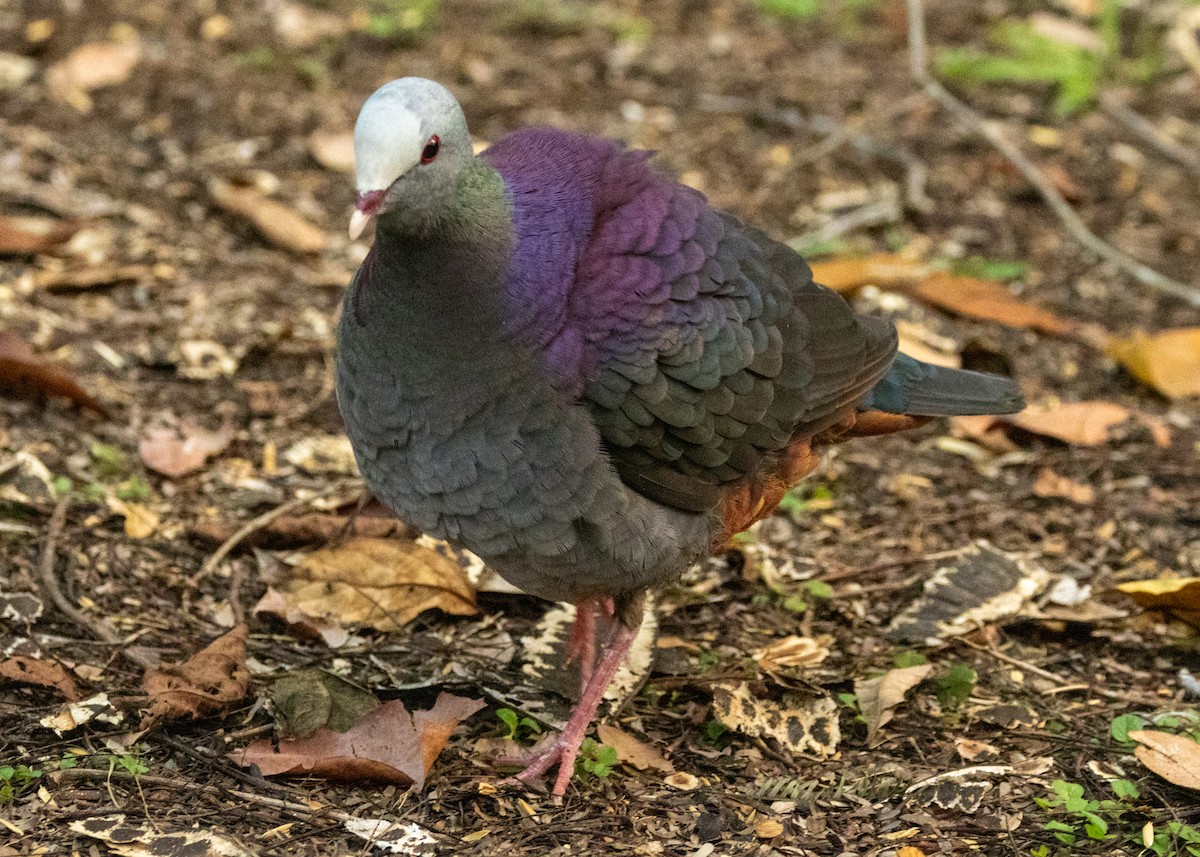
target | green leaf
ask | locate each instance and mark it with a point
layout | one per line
(509, 718)
(954, 688)
(791, 8)
(817, 589)
(908, 658)
(989, 269)
(1125, 790)
(1123, 724)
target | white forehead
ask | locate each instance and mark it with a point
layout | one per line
(394, 125)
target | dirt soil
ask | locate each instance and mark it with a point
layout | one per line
(772, 118)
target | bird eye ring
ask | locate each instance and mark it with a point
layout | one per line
(432, 147)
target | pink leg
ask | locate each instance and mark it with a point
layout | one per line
(581, 644)
(565, 747)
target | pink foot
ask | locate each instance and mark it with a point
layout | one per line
(563, 750)
(581, 644)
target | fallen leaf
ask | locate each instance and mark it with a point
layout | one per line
(140, 522)
(27, 236)
(90, 67)
(885, 270)
(150, 840)
(278, 223)
(879, 696)
(981, 584)
(23, 608)
(182, 448)
(633, 751)
(35, 671)
(334, 150)
(683, 781)
(23, 375)
(990, 300)
(1173, 757)
(80, 279)
(300, 26)
(1088, 423)
(327, 453)
(1168, 361)
(767, 828)
(1179, 596)
(803, 723)
(395, 837)
(306, 700)
(72, 715)
(389, 745)
(1051, 484)
(383, 583)
(283, 607)
(304, 530)
(207, 682)
(792, 651)
(970, 750)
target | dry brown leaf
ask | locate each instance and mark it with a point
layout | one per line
(26, 236)
(970, 750)
(885, 270)
(803, 723)
(278, 223)
(767, 828)
(91, 67)
(275, 603)
(991, 301)
(792, 651)
(1051, 484)
(879, 696)
(80, 279)
(1168, 361)
(1088, 423)
(383, 583)
(183, 448)
(1173, 757)
(1178, 596)
(36, 671)
(24, 376)
(334, 150)
(207, 682)
(295, 531)
(140, 522)
(389, 745)
(633, 751)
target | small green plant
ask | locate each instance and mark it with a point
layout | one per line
(1173, 839)
(108, 462)
(810, 593)
(714, 729)
(1185, 722)
(129, 763)
(595, 760)
(1077, 815)
(954, 688)
(849, 701)
(1123, 724)
(519, 728)
(989, 269)
(791, 8)
(135, 489)
(908, 658)
(806, 498)
(15, 780)
(399, 20)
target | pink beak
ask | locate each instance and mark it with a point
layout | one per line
(366, 206)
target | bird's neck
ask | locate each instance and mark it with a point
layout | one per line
(434, 297)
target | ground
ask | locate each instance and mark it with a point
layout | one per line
(771, 117)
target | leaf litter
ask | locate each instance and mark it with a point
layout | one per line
(206, 683)
(878, 697)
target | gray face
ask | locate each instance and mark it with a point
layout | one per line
(395, 177)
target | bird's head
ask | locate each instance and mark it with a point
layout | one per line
(411, 146)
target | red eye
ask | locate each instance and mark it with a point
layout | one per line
(431, 149)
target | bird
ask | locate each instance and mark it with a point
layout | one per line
(560, 358)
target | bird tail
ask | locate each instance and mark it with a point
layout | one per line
(922, 389)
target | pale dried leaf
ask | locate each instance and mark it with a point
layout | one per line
(792, 651)
(395, 837)
(140, 522)
(801, 723)
(1173, 757)
(1051, 484)
(1168, 361)
(26, 236)
(885, 270)
(383, 583)
(334, 150)
(207, 682)
(301, 26)
(633, 751)
(389, 745)
(150, 840)
(327, 453)
(278, 223)
(90, 67)
(180, 449)
(1088, 423)
(879, 696)
(75, 714)
(990, 300)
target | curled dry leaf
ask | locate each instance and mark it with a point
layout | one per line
(91, 67)
(207, 682)
(1051, 484)
(633, 751)
(35, 671)
(72, 715)
(383, 583)
(1173, 757)
(792, 651)
(1168, 361)
(990, 300)
(182, 448)
(389, 745)
(879, 696)
(24, 376)
(281, 606)
(27, 236)
(278, 223)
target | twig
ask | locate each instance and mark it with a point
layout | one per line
(253, 526)
(1145, 130)
(919, 68)
(96, 626)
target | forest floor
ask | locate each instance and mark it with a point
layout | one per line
(171, 308)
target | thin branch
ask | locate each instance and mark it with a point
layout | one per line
(1145, 130)
(919, 67)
